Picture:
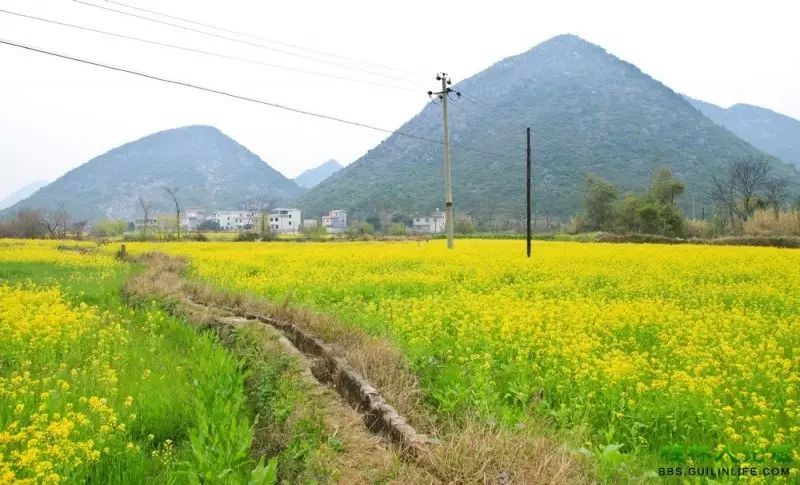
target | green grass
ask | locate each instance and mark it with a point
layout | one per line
(191, 423)
(292, 431)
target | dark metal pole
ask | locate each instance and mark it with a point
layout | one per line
(528, 192)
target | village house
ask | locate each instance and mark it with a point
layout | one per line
(335, 221)
(234, 220)
(430, 224)
(285, 221)
(192, 218)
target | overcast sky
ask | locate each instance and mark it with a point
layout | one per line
(56, 114)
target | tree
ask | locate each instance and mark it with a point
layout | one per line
(629, 213)
(259, 209)
(776, 191)
(208, 225)
(109, 228)
(463, 226)
(664, 188)
(365, 228)
(55, 221)
(78, 228)
(396, 229)
(375, 221)
(173, 194)
(166, 227)
(316, 232)
(737, 191)
(24, 224)
(599, 202)
(147, 207)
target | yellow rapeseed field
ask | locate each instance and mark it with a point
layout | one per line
(678, 350)
(92, 390)
(54, 426)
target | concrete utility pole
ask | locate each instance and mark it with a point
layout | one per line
(448, 184)
(528, 192)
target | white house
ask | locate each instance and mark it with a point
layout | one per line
(335, 221)
(285, 220)
(234, 220)
(192, 218)
(430, 224)
(310, 223)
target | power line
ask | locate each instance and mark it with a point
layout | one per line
(245, 42)
(486, 109)
(474, 116)
(271, 41)
(477, 101)
(204, 52)
(242, 97)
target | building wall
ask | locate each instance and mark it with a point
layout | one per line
(433, 224)
(285, 221)
(233, 220)
(335, 221)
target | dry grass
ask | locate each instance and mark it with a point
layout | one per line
(468, 451)
(699, 229)
(768, 223)
(475, 452)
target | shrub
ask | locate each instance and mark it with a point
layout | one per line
(699, 229)
(365, 228)
(464, 226)
(396, 229)
(247, 237)
(109, 228)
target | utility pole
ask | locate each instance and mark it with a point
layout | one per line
(528, 192)
(444, 96)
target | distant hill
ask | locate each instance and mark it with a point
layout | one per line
(314, 176)
(590, 112)
(772, 132)
(210, 169)
(22, 193)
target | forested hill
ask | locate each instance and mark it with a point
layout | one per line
(590, 113)
(775, 133)
(211, 171)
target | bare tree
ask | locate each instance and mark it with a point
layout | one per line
(776, 191)
(173, 194)
(724, 195)
(147, 207)
(55, 221)
(24, 224)
(738, 191)
(259, 209)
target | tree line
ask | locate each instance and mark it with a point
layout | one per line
(742, 190)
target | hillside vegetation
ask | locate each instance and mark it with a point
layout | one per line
(772, 132)
(590, 112)
(211, 171)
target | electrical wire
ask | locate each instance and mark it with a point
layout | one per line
(470, 115)
(271, 41)
(204, 52)
(486, 109)
(244, 98)
(245, 42)
(476, 101)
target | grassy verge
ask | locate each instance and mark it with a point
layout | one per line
(470, 448)
(313, 435)
(94, 391)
